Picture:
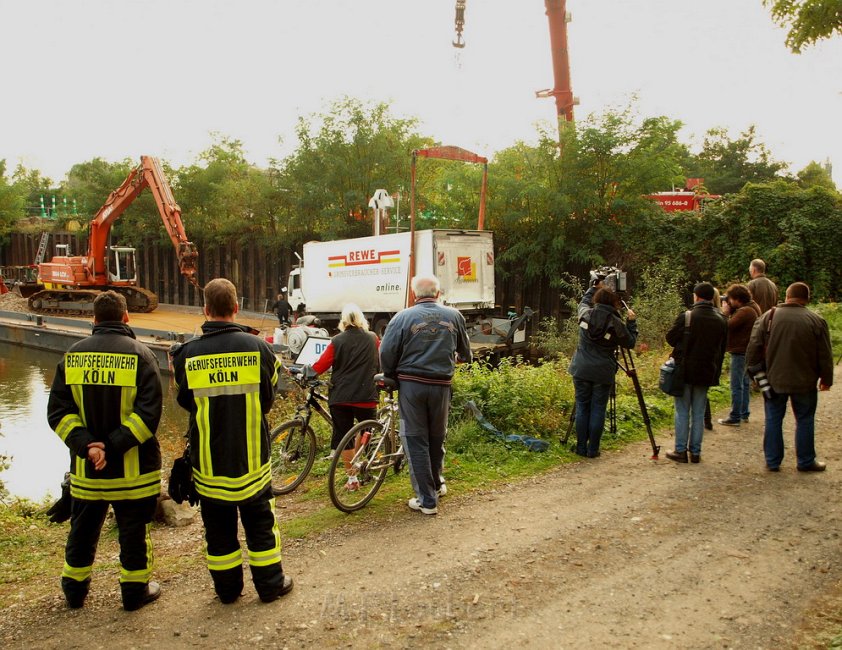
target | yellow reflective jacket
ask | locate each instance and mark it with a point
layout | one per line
(227, 380)
(107, 389)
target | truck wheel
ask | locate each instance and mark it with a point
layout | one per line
(379, 327)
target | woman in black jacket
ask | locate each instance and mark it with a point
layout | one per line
(601, 331)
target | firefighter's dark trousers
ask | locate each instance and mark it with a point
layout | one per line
(134, 521)
(263, 538)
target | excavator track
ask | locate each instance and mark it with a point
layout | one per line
(80, 302)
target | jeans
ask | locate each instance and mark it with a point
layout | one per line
(424, 409)
(591, 401)
(804, 409)
(740, 388)
(690, 419)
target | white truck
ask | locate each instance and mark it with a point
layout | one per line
(373, 272)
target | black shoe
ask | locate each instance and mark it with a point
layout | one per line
(75, 602)
(153, 591)
(729, 423)
(677, 456)
(594, 454)
(709, 426)
(815, 466)
(695, 458)
(285, 588)
(773, 469)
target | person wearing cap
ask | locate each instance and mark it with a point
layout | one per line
(699, 355)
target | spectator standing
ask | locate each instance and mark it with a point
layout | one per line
(419, 349)
(353, 396)
(282, 309)
(762, 289)
(700, 357)
(227, 380)
(105, 405)
(741, 312)
(793, 343)
(594, 364)
(717, 306)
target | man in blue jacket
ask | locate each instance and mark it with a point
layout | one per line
(419, 349)
(601, 331)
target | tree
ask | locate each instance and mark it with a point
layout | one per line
(727, 165)
(34, 187)
(343, 156)
(225, 197)
(808, 21)
(814, 175)
(560, 210)
(11, 203)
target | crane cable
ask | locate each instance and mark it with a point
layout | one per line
(460, 23)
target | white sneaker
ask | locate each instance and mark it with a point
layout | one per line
(415, 504)
(353, 484)
(442, 490)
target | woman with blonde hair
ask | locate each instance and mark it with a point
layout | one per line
(353, 357)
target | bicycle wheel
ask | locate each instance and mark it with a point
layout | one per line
(292, 454)
(372, 447)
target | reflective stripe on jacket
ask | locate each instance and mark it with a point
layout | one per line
(107, 389)
(227, 380)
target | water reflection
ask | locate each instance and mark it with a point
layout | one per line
(39, 458)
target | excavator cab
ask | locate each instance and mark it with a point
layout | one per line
(121, 265)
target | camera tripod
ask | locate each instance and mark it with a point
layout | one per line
(625, 362)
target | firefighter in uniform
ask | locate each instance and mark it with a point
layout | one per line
(105, 404)
(227, 380)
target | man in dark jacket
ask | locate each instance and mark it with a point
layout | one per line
(105, 405)
(594, 364)
(227, 380)
(700, 357)
(419, 349)
(794, 345)
(741, 312)
(282, 309)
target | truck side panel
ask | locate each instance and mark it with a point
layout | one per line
(369, 271)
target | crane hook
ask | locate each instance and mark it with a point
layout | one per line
(460, 23)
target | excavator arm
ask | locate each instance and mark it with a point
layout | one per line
(148, 174)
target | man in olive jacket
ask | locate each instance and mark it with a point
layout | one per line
(794, 345)
(701, 364)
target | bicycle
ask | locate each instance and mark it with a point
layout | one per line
(353, 483)
(293, 443)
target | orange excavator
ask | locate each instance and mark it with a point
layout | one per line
(71, 283)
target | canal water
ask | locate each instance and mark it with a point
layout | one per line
(39, 458)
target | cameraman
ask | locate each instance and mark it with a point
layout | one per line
(601, 330)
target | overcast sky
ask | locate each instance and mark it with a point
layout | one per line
(118, 78)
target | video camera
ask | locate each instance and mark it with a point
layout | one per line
(611, 278)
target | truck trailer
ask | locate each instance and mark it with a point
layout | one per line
(374, 272)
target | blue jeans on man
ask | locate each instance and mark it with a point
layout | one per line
(424, 409)
(690, 419)
(804, 410)
(740, 388)
(591, 402)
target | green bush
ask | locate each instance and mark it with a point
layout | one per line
(657, 302)
(516, 397)
(832, 313)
